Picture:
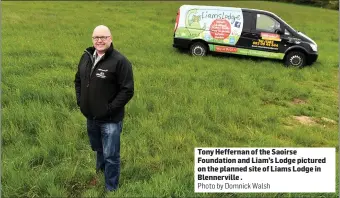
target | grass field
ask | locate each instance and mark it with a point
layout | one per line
(180, 102)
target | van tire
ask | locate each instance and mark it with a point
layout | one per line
(295, 59)
(198, 49)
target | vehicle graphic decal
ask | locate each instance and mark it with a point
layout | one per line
(270, 36)
(265, 44)
(210, 24)
(241, 51)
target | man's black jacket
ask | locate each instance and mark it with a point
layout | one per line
(103, 93)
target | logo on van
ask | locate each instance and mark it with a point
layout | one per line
(231, 40)
(226, 49)
(220, 29)
(232, 17)
(237, 24)
(269, 36)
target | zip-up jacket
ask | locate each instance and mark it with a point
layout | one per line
(102, 91)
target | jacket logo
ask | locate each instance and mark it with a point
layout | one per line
(100, 75)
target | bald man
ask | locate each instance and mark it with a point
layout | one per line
(104, 85)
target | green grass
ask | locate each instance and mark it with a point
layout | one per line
(180, 102)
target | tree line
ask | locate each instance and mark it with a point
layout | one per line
(318, 3)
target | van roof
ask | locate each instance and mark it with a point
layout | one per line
(244, 9)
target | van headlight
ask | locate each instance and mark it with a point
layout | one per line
(314, 47)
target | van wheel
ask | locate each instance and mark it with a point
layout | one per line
(198, 49)
(296, 59)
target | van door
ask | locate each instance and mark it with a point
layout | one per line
(265, 35)
(246, 37)
(287, 40)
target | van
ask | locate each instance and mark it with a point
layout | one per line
(251, 32)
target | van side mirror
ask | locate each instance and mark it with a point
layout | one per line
(279, 31)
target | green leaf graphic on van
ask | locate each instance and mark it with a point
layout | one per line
(193, 28)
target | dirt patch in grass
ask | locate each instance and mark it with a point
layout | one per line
(328, 120)
(94, 181)
(305, 120)
(299, 101)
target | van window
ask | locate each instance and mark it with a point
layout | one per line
(266, 23)
(248, 21)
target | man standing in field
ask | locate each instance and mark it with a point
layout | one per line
(104, 85)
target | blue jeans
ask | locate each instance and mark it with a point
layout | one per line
(105, 140)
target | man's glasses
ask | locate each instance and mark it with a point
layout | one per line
(103, 38)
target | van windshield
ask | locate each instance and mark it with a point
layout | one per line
(286, 24)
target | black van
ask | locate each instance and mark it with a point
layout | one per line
(251, 32)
